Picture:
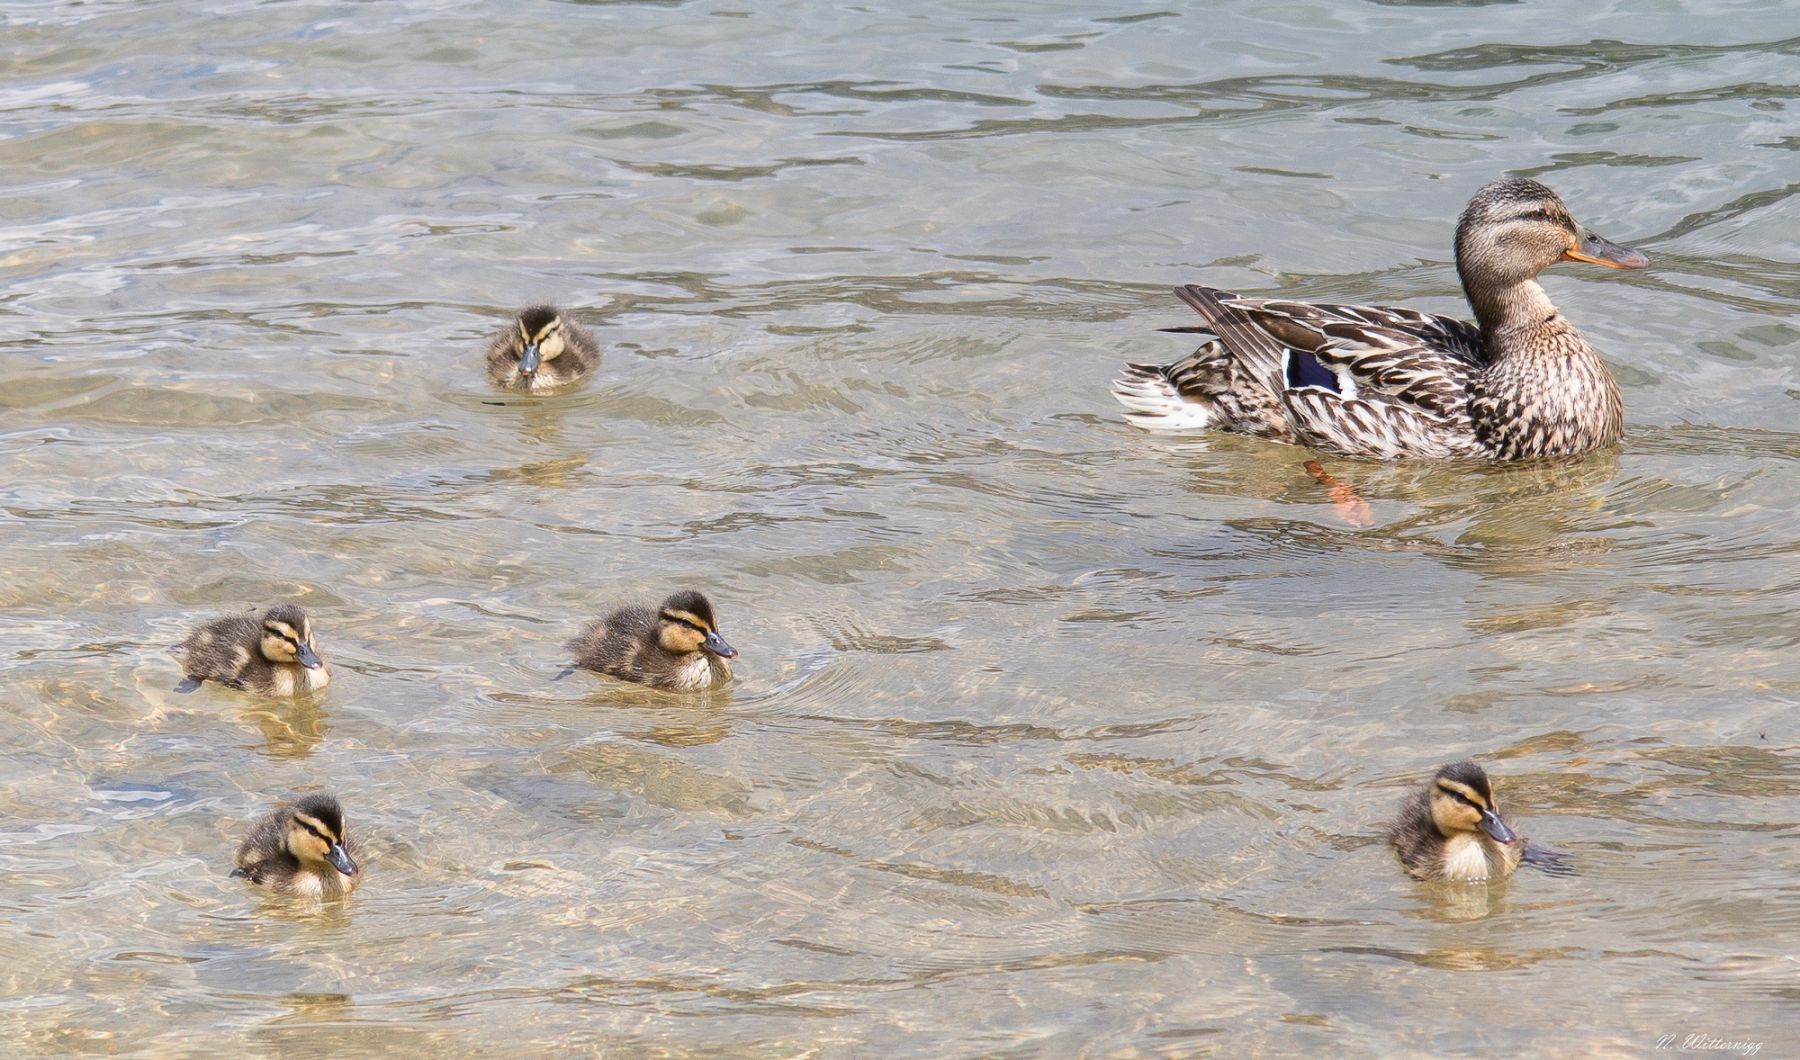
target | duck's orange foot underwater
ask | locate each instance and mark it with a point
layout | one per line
(1345, 501)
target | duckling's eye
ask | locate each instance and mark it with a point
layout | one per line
(1460, 797)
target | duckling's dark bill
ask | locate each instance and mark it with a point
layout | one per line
(716, 644)
(308, 658)
(529, 360)
(1603, 251)
(1494, 826)
(340, 859)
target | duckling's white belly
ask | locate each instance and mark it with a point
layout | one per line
(287, 679)
(321, 883)
(693, 675)
(1465, 858)
(307, 885)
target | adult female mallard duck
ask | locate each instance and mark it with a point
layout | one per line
(1452, 829)
(675, 647)
(1386, 382)
(301, 849)
(270, 652)
(541, 349)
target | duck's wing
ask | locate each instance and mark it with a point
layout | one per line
(1372, 380)
(1378, 381)
(1263, 333)
(1458, 338)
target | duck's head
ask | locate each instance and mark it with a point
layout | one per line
(287, 637)
(1514, 229)
(685, 625)
(1462, 802)
(315, 833)
(539, 339)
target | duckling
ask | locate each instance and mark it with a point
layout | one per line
(301, 849)
(540, 350)
(675, 647)
(270, 652)
(1452, 830)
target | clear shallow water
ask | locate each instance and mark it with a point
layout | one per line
(1050, 735)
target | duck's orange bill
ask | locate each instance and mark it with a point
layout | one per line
(1603, 251)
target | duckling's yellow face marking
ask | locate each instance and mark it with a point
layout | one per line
(1456, 807)
(681, 632)
(309, 838)
(314, 842)
(548, 340)
(281, 641)
(285, 642)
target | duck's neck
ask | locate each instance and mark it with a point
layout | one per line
(1514, 317)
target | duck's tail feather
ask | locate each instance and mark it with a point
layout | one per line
(1156, 404)
(1261, 355)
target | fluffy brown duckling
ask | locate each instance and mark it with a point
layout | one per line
(301, 849)
(675, 647)
(541, 349)
(1452, 830)
(270, 652)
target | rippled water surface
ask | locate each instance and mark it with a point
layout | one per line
(1050, 735)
